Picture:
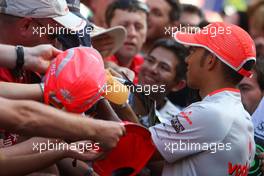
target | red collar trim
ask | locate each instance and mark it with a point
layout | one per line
(224, 89)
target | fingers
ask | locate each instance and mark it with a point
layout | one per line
(114, 131)
(38, 58)
(129, 73)
(103, 156)
(55, 51)
(93, 155)
(98, 155)
(43, 67)
(123, 128)
(46, 51)
(114, 73)
(89, 156)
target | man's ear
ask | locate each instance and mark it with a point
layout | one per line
(24, 25)
(180, 85)
(211, 62)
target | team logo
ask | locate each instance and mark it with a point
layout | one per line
(238, 169)
(186, 115)
(176, 124)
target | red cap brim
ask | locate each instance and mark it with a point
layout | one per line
(133, 151)
(186, 39)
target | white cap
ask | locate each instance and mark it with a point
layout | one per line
(117, 33)
(55, 9)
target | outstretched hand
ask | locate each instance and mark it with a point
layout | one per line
(38, 58)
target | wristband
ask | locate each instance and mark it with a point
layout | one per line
(20, 57)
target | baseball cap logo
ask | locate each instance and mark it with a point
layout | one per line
(66, 95)
(52, 69)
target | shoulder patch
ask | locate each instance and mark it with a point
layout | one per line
(176, 124)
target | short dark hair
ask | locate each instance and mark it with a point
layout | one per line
(230, 74)
(193, 9)
(179, 51)
(259, 69)
(233, 76)
(175, 11)
(128, 5)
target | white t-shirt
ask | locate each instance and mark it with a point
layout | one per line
(164, 114)
(258, 120)
(211, 137)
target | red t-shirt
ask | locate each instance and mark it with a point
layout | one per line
(9, 139)
(137, 61)
(7, 76)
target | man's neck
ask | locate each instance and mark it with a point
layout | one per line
(214, 86)
(124, 61)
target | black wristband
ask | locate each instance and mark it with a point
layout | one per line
(20, 57)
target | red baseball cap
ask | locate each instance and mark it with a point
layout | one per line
(230, 43)
(130, 155)
(76, 79)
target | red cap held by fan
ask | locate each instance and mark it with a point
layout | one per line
(77, 79)
(131, 154)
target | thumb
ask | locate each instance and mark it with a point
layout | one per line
(43, 67)
(55, 52)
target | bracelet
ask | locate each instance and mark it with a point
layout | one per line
(20, 57)
(41, 85)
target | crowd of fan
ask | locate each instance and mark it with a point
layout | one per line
(133, 44)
